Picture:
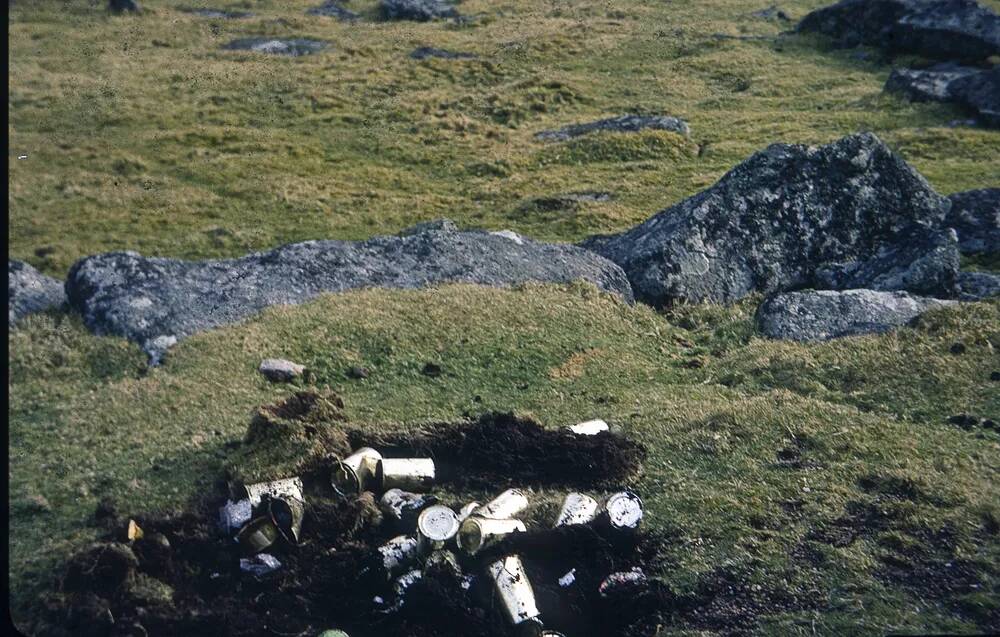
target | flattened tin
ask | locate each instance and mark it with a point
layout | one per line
(577, 508)
(286, 488)
(405, 473)
(514, 589)
(477, 532)
(505, 506)
(353, 474)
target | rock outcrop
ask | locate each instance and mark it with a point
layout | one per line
(424, 52)
(333, 9)
(621, 124)
(30, 291)
(978, 286)
(975, 90)
(418, 10)
(817, 315)
(155, 301)
(294, 47)
(949, 30)
(975, 215)
(789, 217)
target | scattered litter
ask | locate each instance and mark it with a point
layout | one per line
(476, 532)
(260, 565)
(589, 428)
(258, 535)
(287, 488)
(355, 473)
(233, 515)
(435, 527)
(515, 590)
(577, 508)
(621, 581)
(403, 507)
(568, 578)
(404, 473)
(624, 510)
(134, 531)
(504, 506)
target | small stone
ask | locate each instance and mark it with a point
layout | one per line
(260, 565)
(279, 370)
(965, 421)
(622, 124)
(995, 376)
(989, 423)
(120, 6)
(431, 369)
(357, 372)
(38, 502)
(957, 348)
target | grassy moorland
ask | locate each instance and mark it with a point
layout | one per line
(827, 474)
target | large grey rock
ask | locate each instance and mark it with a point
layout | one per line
(154, 301)
(333, 9)
(976, 90)
(293, 47)
(975, 215)
(30, 291)
(825, 314)
(978, 286)
(620, 124)
(419, 10)
(280, 370)
(955, 30)
(789, 217)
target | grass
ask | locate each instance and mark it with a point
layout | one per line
(141, 134)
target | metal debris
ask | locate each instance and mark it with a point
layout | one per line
(405, 473)
(589, 428)
(355, 473)
(577, 508)
(233, 515)
(505, 506)
(260, 565)
(477, 532)
(286, 488)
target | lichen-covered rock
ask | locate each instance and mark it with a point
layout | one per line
(621, 124)
(29, 291)
(978, 286)
(419, 10)
(333, 9)
(975, 215)
(218, 13)
(781, 217)
(975, 90)
(294, 47)
(824, 314)
(279, 370)
(955, 30)
(154, 300)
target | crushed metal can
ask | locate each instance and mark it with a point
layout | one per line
(621, 582)
(577, 508)
(444, 563)
(286, 488)
(405, 473)
(260, 565)
(477, 532)
(233, 515)
(287, 514)
(505, 506)
(516, 595)
(589, 428)
(355, 473)
(398, 553)
(623, 511)
(436, 525)
(258, 534)
(404, 506)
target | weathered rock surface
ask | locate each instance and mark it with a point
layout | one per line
(279, 370)
(295, 47)
(951, 30)
(424, 52)
(817, 315)
(621, 124)
(154, 300)
(790, 217)
(30, 291)
(333, 9)
(926, 262)
(419, 10)
(978, 286)
(121, 6)
(975, 215)
(218, 13)
(976, 90)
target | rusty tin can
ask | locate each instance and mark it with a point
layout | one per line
(577, 508)
(477, 532)
(512, 586)
(405, 473)
(505, 506)
(589, 428)
(286, 488)
(354, 474)
(624, 510)
(258, 535)
(287, 514)
(436, 525)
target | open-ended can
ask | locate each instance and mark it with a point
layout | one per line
(577, 508)
(512, 586)
(589, 428)
(477, 532)
(355, 473)
(624, 511)
(286, 488)
(435, 526)
(258, 535)
(398, 553)
(505, 506)
(405, 473)
(287, 513)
